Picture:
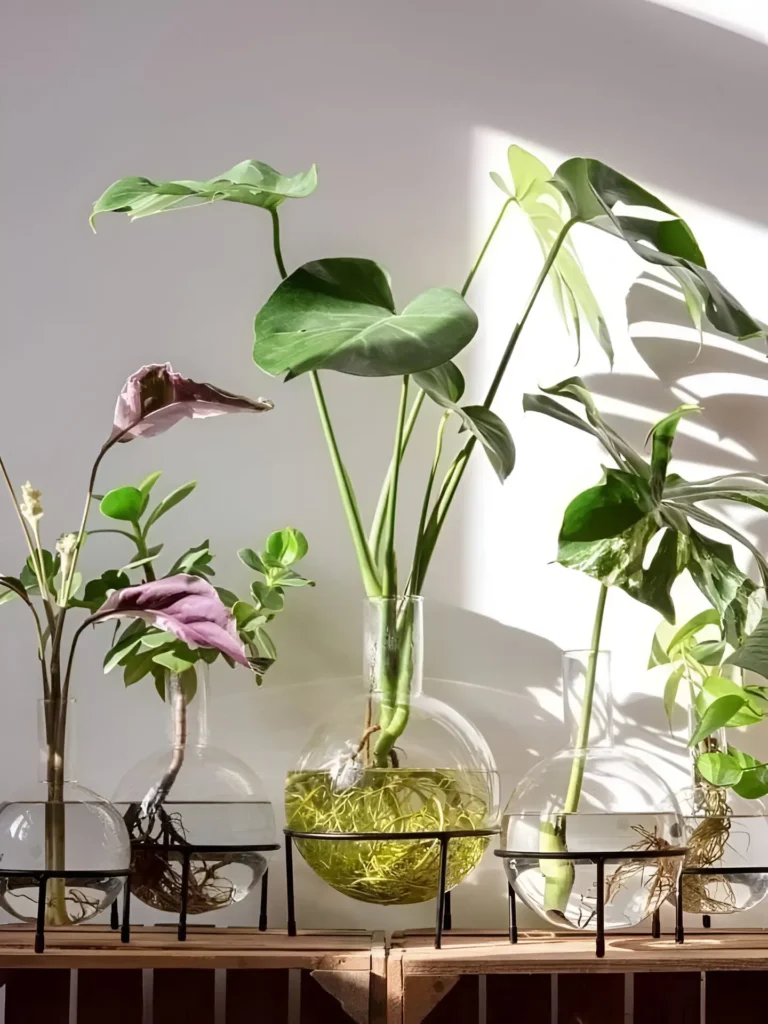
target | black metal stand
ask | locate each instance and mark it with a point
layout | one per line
(41, 879)
(185, 854)
(443, 915)
(599, 859)
(710, 870)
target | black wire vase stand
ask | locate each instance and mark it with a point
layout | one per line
(443, 916)
(599, 859)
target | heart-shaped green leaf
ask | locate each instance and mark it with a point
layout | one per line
(123, 503)
(717, 716)
(339, 314)
(719, 769)
(251, 182)
(287, 546)
(715, 687)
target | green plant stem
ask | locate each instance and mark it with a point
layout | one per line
(368, 569)
(276, 244)
(582, 737)
(389, 575)
(365, 560)
(427, 542)
(396, 696)
(377, 526)
(141, 547)
(484, 250)
(428, 491)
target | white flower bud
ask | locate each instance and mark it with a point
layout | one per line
(30, 506)
(66, 545)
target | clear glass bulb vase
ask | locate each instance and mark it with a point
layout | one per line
(189, 794)
(593, 797)
(722, 829)
(392, 760)
(57, 825)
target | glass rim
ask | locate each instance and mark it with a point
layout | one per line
(51, 700)
(395, 598)
(578, 651)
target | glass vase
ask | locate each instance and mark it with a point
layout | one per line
(189, 794)
(392, 760)
(592, 797)
(60, 826)
(722, 829)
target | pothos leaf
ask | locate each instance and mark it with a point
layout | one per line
(753, 652)
(717, 716)
(670, 690)
(719, 769)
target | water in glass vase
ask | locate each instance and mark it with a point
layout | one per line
(193, 794)
(383, 764)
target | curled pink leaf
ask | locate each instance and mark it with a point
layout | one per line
(155, 398)
(186, 606)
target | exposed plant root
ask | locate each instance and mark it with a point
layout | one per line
(389, 800)
(157, 863)
(657, 877)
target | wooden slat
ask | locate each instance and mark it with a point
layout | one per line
(668, 998)
(37, 996)
(319, 1007)
(116, 996)
(520, 997)
(184, 996)
(461, 1003)
(738, 996)
(251, 994)
(590, 999)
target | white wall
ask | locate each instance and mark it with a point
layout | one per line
(405, 107)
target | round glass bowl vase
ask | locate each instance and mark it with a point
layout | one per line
(59, 826)
(722, 830)
(593, 799)
(393, 760)
(192, 794)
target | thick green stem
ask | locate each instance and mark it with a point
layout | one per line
(377, 526)
(428, 493)
(427, 542)
(55, 811)
(582, 737)
(396, 698)
(276, 244)
(389, 574)
(143, 552)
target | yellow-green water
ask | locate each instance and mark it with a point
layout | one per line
(389, 800)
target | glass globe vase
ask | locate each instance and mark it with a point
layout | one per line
(193, 794)
(722, 830)
(59, 826)
(392, 760)
(591, 798)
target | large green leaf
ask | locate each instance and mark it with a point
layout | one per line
(339, 314)
(538, 198)
(715, 687)
(753, 652)
(653, 586)
(593, 190)
(717, 716)
(445, 385)
(663, 435)
(726, 587)
(124, 503)
(251, 182)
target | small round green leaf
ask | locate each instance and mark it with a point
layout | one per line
(123, 503)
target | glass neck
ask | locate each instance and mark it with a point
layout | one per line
(56, 741)
(393, 652)
(192, 687)
(587, 698)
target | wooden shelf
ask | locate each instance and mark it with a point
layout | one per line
(342, 975)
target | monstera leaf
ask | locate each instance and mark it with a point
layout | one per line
(594, 190)
(339, 314)
(251, 182)
(445, 386)
(534, 193)
(607, 529)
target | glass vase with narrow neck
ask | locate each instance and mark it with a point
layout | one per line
(722, 829)
(592, 796)
(391, 758)
(189, 794)
(58, 825)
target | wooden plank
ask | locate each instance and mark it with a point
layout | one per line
(519, 997)
(116, 996)
(320, 1007)
(737, 996)
(184, 995)
(40, 996)
(590, 999)
(378, 984)
(254, 994)
(395, 986)
(668, 998)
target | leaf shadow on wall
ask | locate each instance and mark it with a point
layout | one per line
(665, 338)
